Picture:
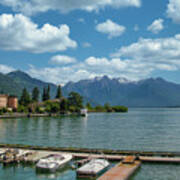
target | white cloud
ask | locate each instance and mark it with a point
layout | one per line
(59, 75)
(90, 68)
(33, 6)
(110, 28)
(134, 62)
(173, 10)
(156, 26)
(115, 67)
(153, 54)
(86, 44)
(62, 60)
(19, 33)
(6, 69)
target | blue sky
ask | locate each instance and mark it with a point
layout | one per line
(67, 40)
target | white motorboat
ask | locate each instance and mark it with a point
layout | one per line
(84, 112)
(2, 151)
(53, 162)
(13, 155)
(92, 169)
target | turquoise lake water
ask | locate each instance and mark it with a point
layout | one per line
(139, 129)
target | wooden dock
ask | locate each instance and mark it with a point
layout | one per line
(122, 171)
(95, 151)
(98, 156)
(126, 167)
(36, 156)
(156, 159)
(80, 153)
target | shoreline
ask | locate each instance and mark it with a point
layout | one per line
(30, 115)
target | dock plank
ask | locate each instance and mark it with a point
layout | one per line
(43, 153)
(97, 156)
(121, 171)
(160, 159)
(129, 159)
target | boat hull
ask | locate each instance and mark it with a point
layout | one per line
(88, 172)
(56, 165)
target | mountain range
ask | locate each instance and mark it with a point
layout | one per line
(24, 80)
(152, 92)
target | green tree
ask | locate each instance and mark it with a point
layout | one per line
(22, 109)
(99, 108)
(44, 94)
(25, 98)
(64, 105)
(35, 94)
(75, 99)
(48, 93)
(52, 107)
(107, 107)
(120, 109)
(55, 107)
(39, 110)
(73, 109)
(88, 106)
(48, 108)
(59, 92)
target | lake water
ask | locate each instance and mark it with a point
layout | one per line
(139, 129)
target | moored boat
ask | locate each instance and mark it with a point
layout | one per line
(2, 151)
(92, 169)
(22, 154)
(9, 156)
(13, 155)
(53, 162)
(84, 112)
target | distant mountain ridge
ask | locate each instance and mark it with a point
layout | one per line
(144, 93)
(14, 82)
(27, 81)
(8, 85)
(152, 92)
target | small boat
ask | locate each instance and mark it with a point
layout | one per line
(53, 162)
(2, 151)
(13, 155)
(92, 169)
(84, 112)
(9, 156)
(22, 154)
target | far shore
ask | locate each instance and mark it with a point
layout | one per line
(29, 115)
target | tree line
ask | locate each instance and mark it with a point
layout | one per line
(73, 103)
(26, 98)
(32, 103)
(106, 108)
